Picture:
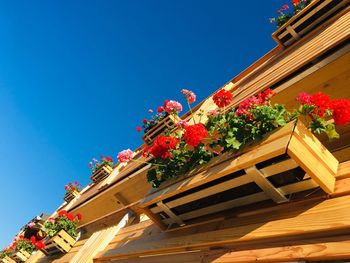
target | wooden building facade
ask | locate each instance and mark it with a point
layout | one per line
(125, 221)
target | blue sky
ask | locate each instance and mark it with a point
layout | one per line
(77, 77)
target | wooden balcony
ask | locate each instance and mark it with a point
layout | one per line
(311, 17)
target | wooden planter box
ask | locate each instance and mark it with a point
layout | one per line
(166, 124)
(8, 260)
(70, 196)
(101, 173)
(315, 14)
(61, 242)
(21, 256)
(289, 160)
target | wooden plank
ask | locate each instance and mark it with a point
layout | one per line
(343, 170)
(99, 241)
(316, 147)
(306, 158)
(70, 240)
(174, 218)
(242, 201)
(329, 217)
(258, 177)
(206, 192)
(331, 248)
(279, 167)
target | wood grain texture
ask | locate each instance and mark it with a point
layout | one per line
(315, 219)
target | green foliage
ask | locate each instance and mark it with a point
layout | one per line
(26, 245)
(227, 132)
(5, 253)
(61, 223)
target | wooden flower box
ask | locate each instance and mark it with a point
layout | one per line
(70, 196)
(166, 124)
(21, 256)
(101, 173)
(61, 242)
(7, 259)
(315, 14)
(290, 160)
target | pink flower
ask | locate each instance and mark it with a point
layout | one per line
(173, 107)
(182, 124)
(284, 7)
(31, 224)
(190, 96)
(304, 98)
(90, 164)
(144, 121)
(150, 111)
(213, 112)
(66, 187)
(51, 220)
(138, 128)
(125, 156)
(247, 105)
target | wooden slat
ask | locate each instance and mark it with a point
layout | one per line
(306, 156)
(315, 219)
(322, 249)
(279, 167)
(245, 200)
(174, 218)
(206, 192)
(258, 177)
(343, 170)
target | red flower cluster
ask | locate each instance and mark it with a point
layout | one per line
(195, 134)
(162, 146)
(340, 108)
(320, 100)
(249, 103)
(71, 217)
(39, 244)
(222, 98)
(341, 111)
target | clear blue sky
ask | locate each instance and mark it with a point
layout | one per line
(76, 78)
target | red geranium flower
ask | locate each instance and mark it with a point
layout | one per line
(222, 98)
(138, 129)
(39, 245)
(341, 111)
(109, 159)
(195, 134)
(62, 213)
(160, 109)
(266, 95)
(322, 102)
(162, 146)
(33, 240)
(79, 216)
(70, 217)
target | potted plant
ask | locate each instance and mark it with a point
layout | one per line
(60, 233)
(5, 256)
(101, 169)
(305, 16)
(165, 119)
(72, 191)
(255, 152)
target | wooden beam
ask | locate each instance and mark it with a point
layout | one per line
(258, 177)
(306, 219)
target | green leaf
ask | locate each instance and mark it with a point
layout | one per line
(233, 143)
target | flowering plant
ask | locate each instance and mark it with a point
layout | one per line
(72, 187)
(230, 129)
(6, 253)
(64, 221)
(284, 13)
(96, 164)
(24, 244)
(170, 107)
